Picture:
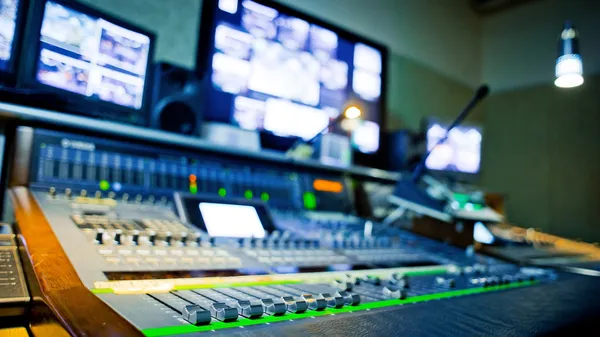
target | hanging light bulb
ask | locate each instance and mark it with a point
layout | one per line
(569, 68)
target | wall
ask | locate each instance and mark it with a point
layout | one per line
(542, 144)
(435, 45)
(520, 45)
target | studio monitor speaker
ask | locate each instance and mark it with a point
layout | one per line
(176, 100)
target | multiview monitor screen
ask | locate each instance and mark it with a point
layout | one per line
(460, 152)
(273, 69)
(92, 56)
(9, 10)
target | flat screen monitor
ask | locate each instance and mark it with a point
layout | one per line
(81, 52)
(459, 153)
(11, 12)
(273, 69)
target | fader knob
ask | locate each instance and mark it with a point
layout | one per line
(98, 194)
(52, 192)
(99, 236)
(111, 195)
(138, 198)
(118, 236)
(68, 193)
(125, 197)
(150, 199)
(83, 193)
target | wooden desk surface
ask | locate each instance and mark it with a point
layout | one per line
(79, 311)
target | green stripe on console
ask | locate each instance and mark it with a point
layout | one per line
(182, 329)
(102, 291)
(436, 271)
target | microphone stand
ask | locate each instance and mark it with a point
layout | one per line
(410, 185)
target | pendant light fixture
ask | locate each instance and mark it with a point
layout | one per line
(569, 68)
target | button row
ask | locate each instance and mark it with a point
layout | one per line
(205, 262)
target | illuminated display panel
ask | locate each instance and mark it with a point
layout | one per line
(461, 152)
(91, 56)
(269, 70)
(322, 185)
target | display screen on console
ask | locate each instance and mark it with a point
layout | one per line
(8, 25)
(277, 72)
(235, 221)
(91, 56)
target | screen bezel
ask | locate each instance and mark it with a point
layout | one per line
(9, 76)
(204, 64)
(189, 212)
(87, 105)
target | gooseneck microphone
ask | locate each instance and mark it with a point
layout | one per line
(479, 95)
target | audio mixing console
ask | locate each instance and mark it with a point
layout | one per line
(178, 242)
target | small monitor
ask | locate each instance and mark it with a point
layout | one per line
(90, 56)
(234, 221)
(459, 153)
(11, 13)
(273, 69)
(219, 217)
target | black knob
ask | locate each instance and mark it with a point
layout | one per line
(99, 235)
(118, 236)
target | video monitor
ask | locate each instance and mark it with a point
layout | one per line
(79, 51)
(11, 12)
(460, 152)
(273, 69)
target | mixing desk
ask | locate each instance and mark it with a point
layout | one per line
(174, 242)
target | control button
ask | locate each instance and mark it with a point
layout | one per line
(394, 292)
(52, 192)
(99, 235)
(315, 303)
(374, 280)
(113, 260)
(295, 305)
(68, 193)
(83, 193)
(222, 312)
(187, 260)
(401, 281)
(342, 285)
(153, 261)
(195, 314)
(111, 195)
(333, 300)
(350, 298)
(447, 282)
(98, 194)
(118, 235)
(170, 260)
(105, 251)
(250, 309)
(274, 307)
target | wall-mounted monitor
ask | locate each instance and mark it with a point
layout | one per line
(460, 153)
(12, 13)
(270, 68)
(92, 58)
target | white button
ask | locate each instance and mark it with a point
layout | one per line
(192, 252)
(142, 252)
(177, 252)
(170, 260)
(113, 260)
(105, 251)
(203, 260)
(160, 252)
(125, 252)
